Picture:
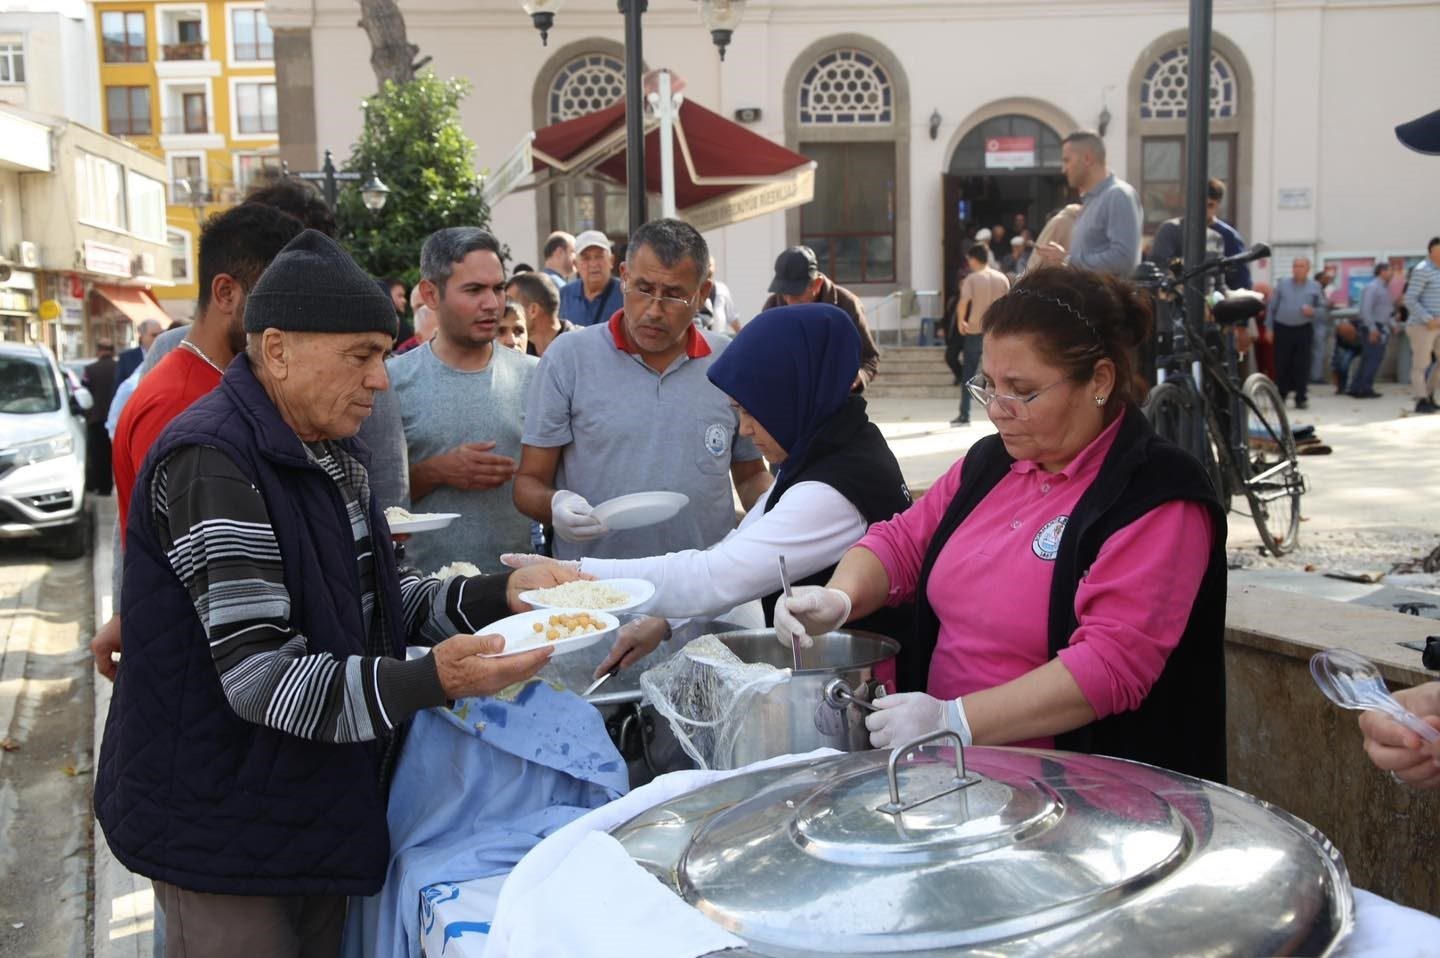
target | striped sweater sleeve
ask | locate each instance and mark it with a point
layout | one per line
(218, 538)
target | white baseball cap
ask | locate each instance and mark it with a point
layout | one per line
(591, 238)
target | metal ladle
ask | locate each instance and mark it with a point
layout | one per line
(794, 646)
(1352, 681)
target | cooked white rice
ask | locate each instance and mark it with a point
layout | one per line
(397, 514)
(583, 595)
(457, 568)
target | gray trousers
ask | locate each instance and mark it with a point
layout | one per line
(200, 925)
(970, 365)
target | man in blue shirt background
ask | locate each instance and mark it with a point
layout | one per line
(594, 296)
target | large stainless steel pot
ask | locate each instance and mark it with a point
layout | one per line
(643, 737)
(799, 715)
(1017, 853)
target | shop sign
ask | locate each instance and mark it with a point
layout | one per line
(1294, 198)
(1009, 152)
(50, 309)
(107, 259)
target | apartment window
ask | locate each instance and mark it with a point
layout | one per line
(192, 106)
(147, 206)
(252, 168)
(255, 108)
(100, 191)
(123, 36)
(179, 242)
(187, 178)
(12, 62)
(253, 40)
(851, 222)
(188, 31)
(127, 110)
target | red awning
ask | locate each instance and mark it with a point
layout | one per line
(724, 173)
(133, 303)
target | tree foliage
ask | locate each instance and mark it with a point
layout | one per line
(413, 139)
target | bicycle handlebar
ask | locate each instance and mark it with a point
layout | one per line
(1258, 251)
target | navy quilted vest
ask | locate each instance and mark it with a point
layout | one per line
(187, 792)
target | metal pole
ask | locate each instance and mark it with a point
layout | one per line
(332, 189)
(667, 147)
(1197, 151)
(634, 111)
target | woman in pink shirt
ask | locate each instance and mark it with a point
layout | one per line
(1069, 572)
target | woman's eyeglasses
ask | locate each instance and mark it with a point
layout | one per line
(1011, 407)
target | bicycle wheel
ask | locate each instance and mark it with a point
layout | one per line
(1175, 414)
(1273, 484)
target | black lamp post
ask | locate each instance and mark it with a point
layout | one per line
(1197, 149)
(373, 191)
(721, 17)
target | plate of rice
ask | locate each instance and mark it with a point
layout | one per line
(607, 595)
(402, 520)
(564, 630)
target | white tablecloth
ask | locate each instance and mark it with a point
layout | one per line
(457, 918)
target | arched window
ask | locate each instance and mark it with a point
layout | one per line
(1033, 144)
(587, 83)
(1159, 91)
(847, 117)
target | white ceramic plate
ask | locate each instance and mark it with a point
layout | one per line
(638, 591)
(520, 635)
(424, 522)
(640, 509)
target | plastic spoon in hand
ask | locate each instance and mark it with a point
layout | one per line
(794, 646)
(1352, 681)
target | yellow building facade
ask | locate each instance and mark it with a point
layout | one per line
(192, 83)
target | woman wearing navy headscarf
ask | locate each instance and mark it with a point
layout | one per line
(788, 373)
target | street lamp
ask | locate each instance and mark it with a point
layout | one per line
(720, 17)
(373, 191)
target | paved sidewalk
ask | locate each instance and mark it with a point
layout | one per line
(124, 903)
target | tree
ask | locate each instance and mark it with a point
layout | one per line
(413, 139)
(392, 55)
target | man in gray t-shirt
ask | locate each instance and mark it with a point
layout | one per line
(461, 400)
(625, 406)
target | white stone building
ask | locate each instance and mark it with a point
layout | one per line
(898, 100)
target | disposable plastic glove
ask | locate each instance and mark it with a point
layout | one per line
(907, 715)
(574, 518)
(519, 560)
(810, 610)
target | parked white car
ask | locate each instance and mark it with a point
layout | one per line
(42, 451)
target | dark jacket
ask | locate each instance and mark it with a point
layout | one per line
(189, 793)
(850, 303)
(851, 456)
(1181, 723)
(101, 380)
(128, 361)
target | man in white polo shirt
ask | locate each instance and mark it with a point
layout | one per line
(625, 406)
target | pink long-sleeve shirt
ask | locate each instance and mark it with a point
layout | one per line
(990, 587)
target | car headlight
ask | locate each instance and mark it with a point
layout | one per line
(52, 447)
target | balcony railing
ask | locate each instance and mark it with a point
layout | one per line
(183, 191)
(194, 50)
(182, 124)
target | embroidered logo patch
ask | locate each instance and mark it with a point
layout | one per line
(1046, 543)
(717, 440)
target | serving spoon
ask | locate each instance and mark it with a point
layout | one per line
(1352, 681)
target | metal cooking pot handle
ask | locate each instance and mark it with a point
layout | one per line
(961, 780)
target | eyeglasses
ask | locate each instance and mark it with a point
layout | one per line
(1012, 407)
(669, 304)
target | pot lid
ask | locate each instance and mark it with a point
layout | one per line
(1030, 852)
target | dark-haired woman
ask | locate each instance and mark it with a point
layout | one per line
(1069, 572)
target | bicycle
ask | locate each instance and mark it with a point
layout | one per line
(1238, 430)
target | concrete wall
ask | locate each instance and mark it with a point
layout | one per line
(60, 71)
(1290, 746)
(1330, 80)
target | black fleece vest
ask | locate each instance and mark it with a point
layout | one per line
(850, 455)
(1181, 723)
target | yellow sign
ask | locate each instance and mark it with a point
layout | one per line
(50, 309)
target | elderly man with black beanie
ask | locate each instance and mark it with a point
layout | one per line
(263, 693)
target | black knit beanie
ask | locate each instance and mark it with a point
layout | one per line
(314, 286)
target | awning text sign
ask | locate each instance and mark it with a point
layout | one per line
(1009, 152)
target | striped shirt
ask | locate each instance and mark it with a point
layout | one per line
(1422, 294)
(218, 538)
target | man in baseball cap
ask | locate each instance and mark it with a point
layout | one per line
(593, 296)
(798, 279)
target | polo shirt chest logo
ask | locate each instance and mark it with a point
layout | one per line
(1046, 543)
(717, 439)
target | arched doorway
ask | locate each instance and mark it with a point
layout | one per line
(1004, 166)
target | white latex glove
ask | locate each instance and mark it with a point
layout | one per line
(573, 517)
(519, 560)
(908, 715)
(810, 610)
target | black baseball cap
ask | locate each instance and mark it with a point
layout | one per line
(795, 269)
(1422, 135)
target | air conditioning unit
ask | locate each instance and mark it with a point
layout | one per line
(27, 254)
(145, 264)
